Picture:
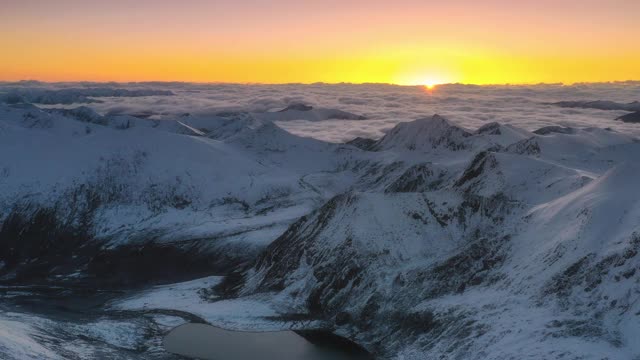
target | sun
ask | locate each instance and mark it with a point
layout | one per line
(429, 79)
(430, 83)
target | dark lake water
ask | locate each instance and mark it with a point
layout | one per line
(211, 343)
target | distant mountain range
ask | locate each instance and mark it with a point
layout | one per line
(600, 105)
(633, 117)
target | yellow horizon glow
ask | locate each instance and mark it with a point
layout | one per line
(497, 42)
(478, 69)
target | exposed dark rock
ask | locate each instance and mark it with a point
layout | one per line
(378, 174)
(482, 162)
(472, 266)
(36, 245)
(343, 115)
(490, 129)
(298, 107)
(362, 143)
(525, 147)
(284, 254)
(418, 178)
(327, 339)
(413, 322)
(46, 244)
(342, 318)
(135, 265)
(588, 273)
(630, 118)
(600, 105)
(554, 129)
(336, 281)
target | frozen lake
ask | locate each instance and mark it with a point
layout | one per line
(208, 342)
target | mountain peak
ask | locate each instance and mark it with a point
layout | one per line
(298, 107)
(424, 134)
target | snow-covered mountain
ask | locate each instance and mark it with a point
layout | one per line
(529, 248)
(30, 94)
(122, 180)
(633, 107)
(432, 242)
(298, 111)
(424, 135)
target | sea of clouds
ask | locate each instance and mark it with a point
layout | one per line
(470, 106)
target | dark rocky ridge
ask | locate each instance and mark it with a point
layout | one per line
(492, 128)
(554, 129)
(600, 105)
(362, 143)
(630, 118)
(418, 178)
(343, 283)
(298, 107)
(41, 245)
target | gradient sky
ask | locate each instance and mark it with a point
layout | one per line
(278, 41)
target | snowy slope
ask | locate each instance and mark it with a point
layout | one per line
(149, 181)
(524, 249)
(432, 242)
(425, 134)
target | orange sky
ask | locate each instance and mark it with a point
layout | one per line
(278, 41)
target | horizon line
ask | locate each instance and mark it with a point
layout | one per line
(314, 83)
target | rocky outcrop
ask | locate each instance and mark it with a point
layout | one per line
(630, 118)
(362, 143)
(418, 178)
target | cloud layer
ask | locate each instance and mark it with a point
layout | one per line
(384, 105)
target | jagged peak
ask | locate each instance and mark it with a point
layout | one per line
(483, 162)
(421, 177)
(555, 129)
(361, 143)
(528, 146)
(424, 134)
(492, 128)
(435, 125)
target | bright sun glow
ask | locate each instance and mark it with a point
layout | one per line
(428, 79)
(430, 85)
